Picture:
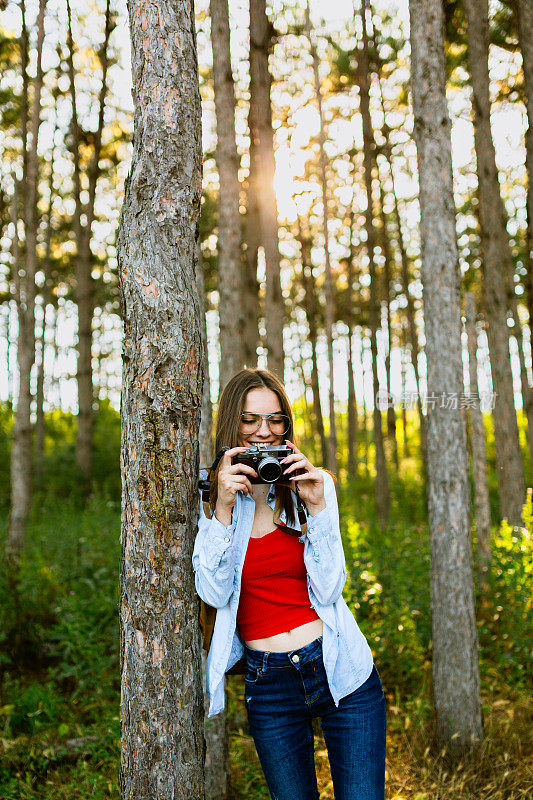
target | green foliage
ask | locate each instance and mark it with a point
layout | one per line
(61, 479)
(59, 672)
(59, 637)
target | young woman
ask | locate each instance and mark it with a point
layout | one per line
(279, 602)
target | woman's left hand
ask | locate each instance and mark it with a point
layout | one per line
(310, 479)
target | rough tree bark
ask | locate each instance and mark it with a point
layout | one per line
(478, 446)
(161, 699)
(496, 257)
(263, 144)
(456, 689)
(24, 280)
(381, 484)
(230, 309)
(329, 315)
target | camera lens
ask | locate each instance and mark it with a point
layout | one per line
(269, 469)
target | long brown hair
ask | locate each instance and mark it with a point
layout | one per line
(230, 407)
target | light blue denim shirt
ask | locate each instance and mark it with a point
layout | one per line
(218, 559)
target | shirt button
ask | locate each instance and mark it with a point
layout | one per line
(295, 659)
(227, 539)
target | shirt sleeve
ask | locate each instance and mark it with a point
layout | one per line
(323, 550)
(213, 560)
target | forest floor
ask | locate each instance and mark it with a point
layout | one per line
(59, 664)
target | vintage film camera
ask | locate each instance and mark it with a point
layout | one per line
(265, 460)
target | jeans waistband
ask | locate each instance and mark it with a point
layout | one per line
(262, 658)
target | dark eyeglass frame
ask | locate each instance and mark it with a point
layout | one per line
(261, 417)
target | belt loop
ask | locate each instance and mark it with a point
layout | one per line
(265, 662)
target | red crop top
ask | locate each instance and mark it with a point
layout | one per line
(274, 596)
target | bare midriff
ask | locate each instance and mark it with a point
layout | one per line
(289, 640)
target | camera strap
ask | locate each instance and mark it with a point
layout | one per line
(300, 509)
(204, 484)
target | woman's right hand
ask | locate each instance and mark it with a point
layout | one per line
(232, 478)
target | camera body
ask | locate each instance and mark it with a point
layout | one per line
(265, 460)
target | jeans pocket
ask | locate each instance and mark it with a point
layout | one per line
(252, 674)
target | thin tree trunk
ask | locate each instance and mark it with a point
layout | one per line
(410, 308)
(83, 233)
(161, 700)
(46, 267)
(352, 406)
(496, 257)
(329, 316)
(25, 288)
(310, 301)
(352, 413)
(478, 447)
(38, 442)
(230, 309)
(387, 283)
(456, 690)
(252, 240)
(381, 485)
(525, 38)
(527, 397)
(263, 135)
(217, 767)
(405, 351)
(366, 420)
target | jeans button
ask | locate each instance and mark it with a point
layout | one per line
(295, 659)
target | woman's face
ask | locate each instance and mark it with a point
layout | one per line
(261, 401)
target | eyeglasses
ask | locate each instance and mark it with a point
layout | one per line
(278, 424)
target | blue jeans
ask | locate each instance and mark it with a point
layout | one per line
(283, 692)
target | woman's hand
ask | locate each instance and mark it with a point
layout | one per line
(232, 478)
(310, 479)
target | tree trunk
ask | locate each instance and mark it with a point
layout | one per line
(496, 257)
(161, 700)
(405, 356)
(217, 767)
(387, 283)
(366, 431)
(527, 397)
(263, 135)
(352, 405)
(230, 309)
(410, 308)
(83, 219)
(381, 484)
(46, 268)
(329, 315)
(525, 38)
(352, 413)
(455, 649)
(25, 295)
(478, 447)
(252, 236)
(310, 300)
